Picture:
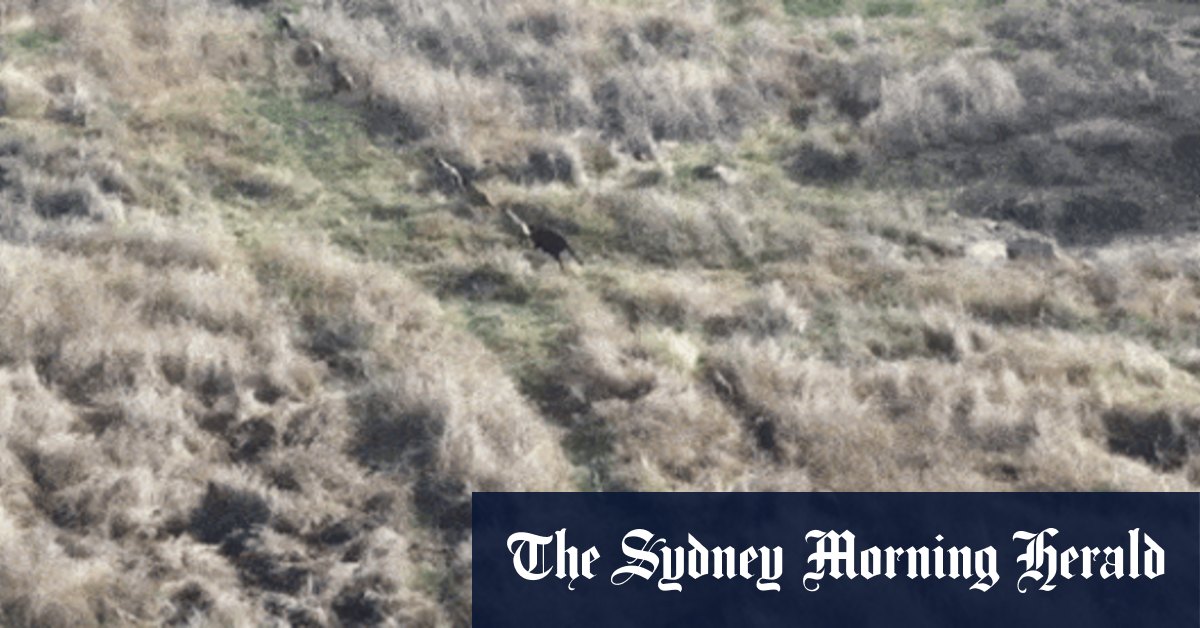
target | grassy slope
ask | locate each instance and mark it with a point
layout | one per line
(253, 361)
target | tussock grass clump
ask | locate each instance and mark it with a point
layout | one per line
(856, 84)
(1107, 135)
(257, 347)
(664, 232)
(516, 68)
(811, 163)
(963, 100)
(46, 182)
(1162, 440)
(656, 439)
(418, 389)
(76, 199)
(199, 389)
(798, 419)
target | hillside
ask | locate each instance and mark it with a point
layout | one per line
(257, 348)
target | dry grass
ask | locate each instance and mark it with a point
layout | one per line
(970, 101)
(255, 355)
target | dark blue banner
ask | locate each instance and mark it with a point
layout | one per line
(836, 559)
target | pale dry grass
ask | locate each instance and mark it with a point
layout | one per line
(963, 100)
(254, 358)
(138, 371)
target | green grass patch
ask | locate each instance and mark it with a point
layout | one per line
(284, 153)
(845, 40)
(814, 8)
(885, 8)
(35, 41)
(525, 335)
(327, 137)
